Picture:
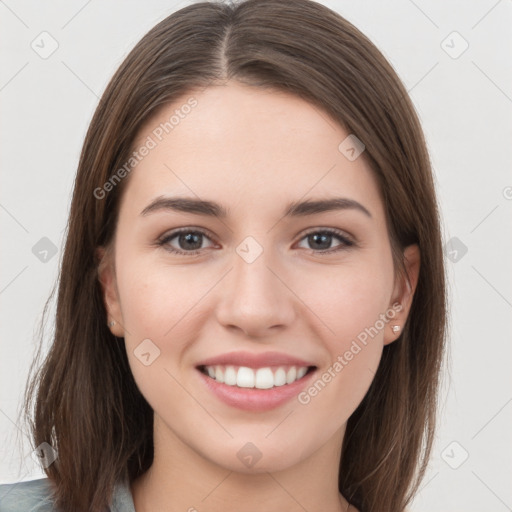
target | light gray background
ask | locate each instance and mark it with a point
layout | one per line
(465, 106)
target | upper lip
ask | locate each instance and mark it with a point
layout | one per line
(252, 360)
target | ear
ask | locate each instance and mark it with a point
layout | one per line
(107, 278)
(403, 293)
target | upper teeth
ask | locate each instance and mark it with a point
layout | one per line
(262, 378)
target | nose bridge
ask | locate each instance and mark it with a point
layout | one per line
(253, 298)
(252, 278)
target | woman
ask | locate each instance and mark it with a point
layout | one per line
(251, 306)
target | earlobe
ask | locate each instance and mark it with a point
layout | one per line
(106, 277)
(403, 293)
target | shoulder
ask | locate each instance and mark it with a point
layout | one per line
(29, 496)
(36, 496)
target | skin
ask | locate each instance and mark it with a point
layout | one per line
(253, 151)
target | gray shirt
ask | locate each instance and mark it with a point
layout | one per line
(35, 496)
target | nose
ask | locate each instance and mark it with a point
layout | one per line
(255, 297)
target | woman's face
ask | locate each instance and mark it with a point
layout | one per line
(264, 285)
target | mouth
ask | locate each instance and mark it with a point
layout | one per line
(256, 378)
(255, 389)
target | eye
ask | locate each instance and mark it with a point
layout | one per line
(189, 241)
(321, 240)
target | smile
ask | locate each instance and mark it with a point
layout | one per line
(260, 378)
(255, 390)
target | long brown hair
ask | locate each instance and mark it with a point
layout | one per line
(83, 400)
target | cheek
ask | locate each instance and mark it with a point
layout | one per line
(352, 304)
(349, 300)
(154, 303)
(155, 298)
(163, 304)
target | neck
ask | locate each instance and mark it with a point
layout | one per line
(180, 479)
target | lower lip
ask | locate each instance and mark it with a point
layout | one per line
(253, 399)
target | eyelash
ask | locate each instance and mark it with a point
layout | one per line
(346, 242)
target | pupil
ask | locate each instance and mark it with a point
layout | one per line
(189, 238)
(326, 240)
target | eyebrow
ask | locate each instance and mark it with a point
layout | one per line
(212, 209)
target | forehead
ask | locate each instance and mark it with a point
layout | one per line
(244, 144)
